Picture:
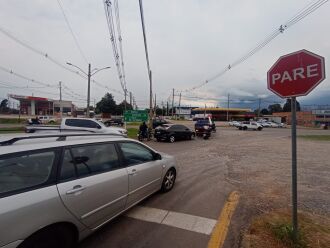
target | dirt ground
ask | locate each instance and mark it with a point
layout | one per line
(257, 164)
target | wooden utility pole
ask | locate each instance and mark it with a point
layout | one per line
(228, 108)
(173, 103)
(179, 105)
(61, 108)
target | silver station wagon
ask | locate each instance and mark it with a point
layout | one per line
(57, 189)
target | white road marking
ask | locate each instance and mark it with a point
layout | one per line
(175, 219)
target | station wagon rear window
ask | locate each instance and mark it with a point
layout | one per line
(24, 171)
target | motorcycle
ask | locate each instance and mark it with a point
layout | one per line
(144, 136)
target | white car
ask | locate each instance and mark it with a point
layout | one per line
(245, 125)
(57, 189)
(78, 124)
(45, 119)
(234, 123)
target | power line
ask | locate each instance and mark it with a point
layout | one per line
(111, 26)
(26, 78)
(299, 16)
(39, 52)
(71, 31)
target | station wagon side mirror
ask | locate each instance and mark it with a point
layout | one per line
(98, 127)
(157, 156)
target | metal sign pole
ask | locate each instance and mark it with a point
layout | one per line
(294, 169)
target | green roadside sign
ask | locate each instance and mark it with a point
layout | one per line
(135, 115)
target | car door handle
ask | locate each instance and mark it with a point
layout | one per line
(133, 172)
(75, 189)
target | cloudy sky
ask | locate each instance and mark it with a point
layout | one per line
(189, 42)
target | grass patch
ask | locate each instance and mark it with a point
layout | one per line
(316, 137)
(12, 130)
(275, 230)
(132, 132)
(12, 121)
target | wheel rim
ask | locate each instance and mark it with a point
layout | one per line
(169, 180)
(172, 139)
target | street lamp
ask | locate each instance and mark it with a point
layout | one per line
(89, 75)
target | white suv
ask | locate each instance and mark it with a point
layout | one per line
(57, 189)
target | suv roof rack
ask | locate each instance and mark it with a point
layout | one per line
(61, 137)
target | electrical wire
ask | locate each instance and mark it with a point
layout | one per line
(310, 8)
(71, 31)
(39, 52)
(26, 78)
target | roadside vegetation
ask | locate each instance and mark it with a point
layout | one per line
(11, 130)
(132, 132)
(12, 121)
(316, 137)
(275, 230)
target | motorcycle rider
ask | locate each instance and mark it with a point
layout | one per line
(144, 130)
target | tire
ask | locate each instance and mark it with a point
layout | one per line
(168, 181)
(245, 128)
(172, 139)
(240, 128)
(259, 128)
(51, 237)
(158, 139)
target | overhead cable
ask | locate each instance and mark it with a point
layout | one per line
(299, 16)
(71, 31)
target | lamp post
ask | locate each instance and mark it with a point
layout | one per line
(89, 75)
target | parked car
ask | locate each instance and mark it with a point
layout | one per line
(207, 121)
(234, 123)
(173, 132)
(77, 124)
(114, 122)
(245, 125)
(159, 122)
(203, 128)
(33, 121)
(57, 189)
(45, 119)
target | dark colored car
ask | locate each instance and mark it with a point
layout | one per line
(158, 122)
(114, 122)
(173, 132)
(203, 128)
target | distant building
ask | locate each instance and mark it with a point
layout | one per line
(33, 105)
(220, 114)
(307, 118)
(183, 112)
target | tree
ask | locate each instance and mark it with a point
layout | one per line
(264, 112)
(287, 105)
(274, 108)
(106, 105)
(4, 106)
(121, 107)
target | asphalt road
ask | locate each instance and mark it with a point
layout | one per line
(256, 164)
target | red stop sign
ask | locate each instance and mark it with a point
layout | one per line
(296, 74)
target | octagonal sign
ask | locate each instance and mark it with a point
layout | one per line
(296, 74)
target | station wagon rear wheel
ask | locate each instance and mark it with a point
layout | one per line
(169, 180)
(172, 139)
(51, 237)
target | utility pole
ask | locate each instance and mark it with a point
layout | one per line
(259, 108)
(179, 105)
(61, 109)
(125, 92)
(167, 108)
(228, 108)
(88, 89)
(155, 106)
(150, 103)
(173, 103)
(130, 98)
